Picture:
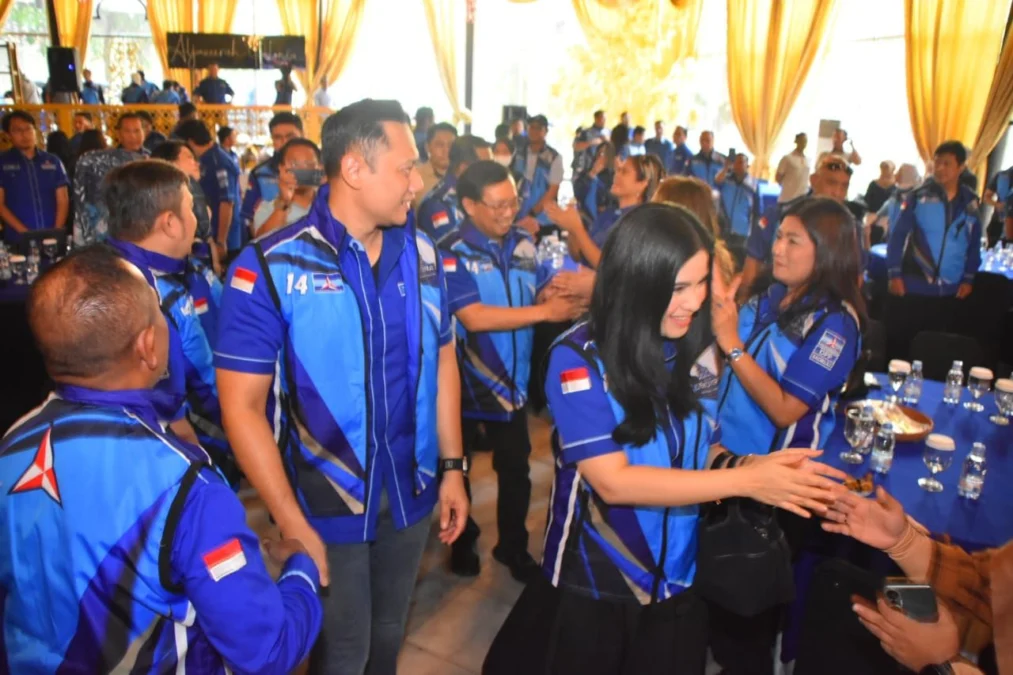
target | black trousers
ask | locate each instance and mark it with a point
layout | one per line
(908, 315)
(511, 448)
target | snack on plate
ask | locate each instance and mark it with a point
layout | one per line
(862, 486)
(902, 424)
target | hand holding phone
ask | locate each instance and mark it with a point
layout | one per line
(917, 601)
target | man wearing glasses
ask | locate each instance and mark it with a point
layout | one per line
(439, 214)
(491, 278)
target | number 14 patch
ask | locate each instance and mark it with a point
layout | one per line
(828, 350)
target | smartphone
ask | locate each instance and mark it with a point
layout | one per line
(916, 601)
(308, 177)
(732, 154)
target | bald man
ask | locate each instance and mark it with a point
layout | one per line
(121, 548)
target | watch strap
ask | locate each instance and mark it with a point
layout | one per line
(735, 355)
(454, 464)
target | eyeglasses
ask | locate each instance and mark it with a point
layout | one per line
(833, 165)
(503, 207)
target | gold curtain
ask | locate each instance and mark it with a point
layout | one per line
(668, 28)
(214, 16)
(300, 17)
(73, 20)
(170, 16)
(5, 9)
(952, 48)
(771, 47)
(443, 23)
(340, 28)
(998, 110)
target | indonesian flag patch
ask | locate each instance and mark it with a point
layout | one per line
(441, 219)
(200, 305)
(574, 380)
(243, 280)
(450, 265)
(225, 559)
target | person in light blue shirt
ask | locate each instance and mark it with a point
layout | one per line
(635, 454)
(339, 385)
(707, 163)
(635, 147)
(740, 201)
(659, 146)
(150, 88)
(168, 94)
(681, 154)
(121, 548)
(91, 93)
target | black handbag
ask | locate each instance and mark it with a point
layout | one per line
(743, 561)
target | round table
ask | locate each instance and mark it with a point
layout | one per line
(974, 525)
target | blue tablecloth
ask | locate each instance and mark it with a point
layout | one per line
(974, 525)
(876, 265)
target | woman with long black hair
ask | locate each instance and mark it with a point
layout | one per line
(789, 351)
(616, 592)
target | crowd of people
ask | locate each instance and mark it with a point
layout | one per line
(347, 331)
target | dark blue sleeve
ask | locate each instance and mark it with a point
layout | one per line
(200, 370)
(462, 290)
(425, 217)
(898, 237)
(823, 361)
(251, 200)
(576, 396)
(257, 625)
(758, 244)
(446, 328)
(973, 261)
(251, 331)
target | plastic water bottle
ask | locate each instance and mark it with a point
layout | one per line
(954, 383)
(5, 264)
(913, 384)
(882, 449)
(972, 478)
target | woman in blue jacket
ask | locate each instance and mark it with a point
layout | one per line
(616, 593)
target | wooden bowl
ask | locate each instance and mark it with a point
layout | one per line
(911, 413)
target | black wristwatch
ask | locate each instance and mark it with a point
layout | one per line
(937, 669)
(455, 464)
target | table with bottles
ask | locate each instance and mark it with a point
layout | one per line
(19, 271)
(970, 451)
(997, 260)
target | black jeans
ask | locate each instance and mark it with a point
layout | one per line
(511, 448)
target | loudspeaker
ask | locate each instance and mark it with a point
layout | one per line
(514, 112)
(63, 72)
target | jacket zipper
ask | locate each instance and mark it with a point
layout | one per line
(418, 379)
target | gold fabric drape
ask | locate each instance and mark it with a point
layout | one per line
(300, 17)
(73, 20)
(170, 16)
(998, 110)
(5, 10)
(952, 48)
(340, 28)
(669, 27)
(214, 16)
(771, 47)
(443, 20)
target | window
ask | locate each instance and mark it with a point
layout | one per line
(256, 87)
(28, 28)
(121, 44)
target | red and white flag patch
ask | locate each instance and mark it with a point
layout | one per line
(574, 380)
(450, 265)
(225, 559)
(243, 280)
(441, 219)
(200, 305)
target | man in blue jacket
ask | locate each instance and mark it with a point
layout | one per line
(263, 185)
(337, 327)
(219, 178)
(121, 548)
(934, 251)
(440, 213)
(706, 164)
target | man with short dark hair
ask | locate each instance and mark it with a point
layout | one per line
(90, 214)
(586, 142)
(839, 138)
(263, 183)
(439, 138)
(492, 277)
(187, 111)
(337, 326)
(440, 212)
(219, 178)
(542, 168)
(150, 88)
(740, 200)
(213, 89)
(707, 163)
(227, 139)
(933, 252)
(33, 183)
(636, 146)
(681, 154)
(152, 137)
(424, 118)
(91, 93)
(168, 95)
(82, 123)
(659, 146)
(123, 549)
(153, 226)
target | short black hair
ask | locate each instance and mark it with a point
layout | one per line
(16, 115)
(502, 132)
(194, 131)
(285, 118)
(167, 84)
(955, 148)
(186, 109)
(224, 133)
(358, 125)
(639, 130)
(86, 312)
(141, 73)
(145, 116)
(83, 113)
(437, 128)
(599, 112)
(137, 193)
(169, 150)
(279, 156)
(127, 116)
(465, 150)
(424, 114)
(843, 131)
(682, 129)
(477, 177)
(504, 141)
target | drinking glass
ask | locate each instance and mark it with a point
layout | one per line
(1004, 402)
(49, 249)
(978, 381)
(18, 269)
(898, 371)
(856, 434)
(938, 456)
